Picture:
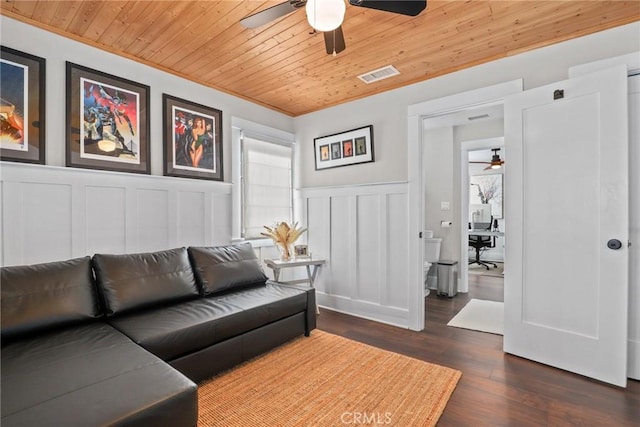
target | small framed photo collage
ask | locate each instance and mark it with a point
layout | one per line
(345, 148)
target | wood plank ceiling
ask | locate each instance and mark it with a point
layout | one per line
(284, 66)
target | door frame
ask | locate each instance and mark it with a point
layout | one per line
(417, 113)
(465, 148)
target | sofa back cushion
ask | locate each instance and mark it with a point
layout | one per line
(40, 297)
(133, 281)
(222, 268)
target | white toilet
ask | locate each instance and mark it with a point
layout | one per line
(431, 255)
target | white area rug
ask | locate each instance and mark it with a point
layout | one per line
(481, 315)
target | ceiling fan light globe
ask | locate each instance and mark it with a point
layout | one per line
(325, 15)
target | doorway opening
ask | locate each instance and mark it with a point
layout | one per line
(485, 236)
(449, 141)
(444, 217)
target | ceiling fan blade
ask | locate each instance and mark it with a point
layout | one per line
(263, 17)
(403, 7)
(334, 41)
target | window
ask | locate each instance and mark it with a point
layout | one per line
(266, 185)
(262, 191)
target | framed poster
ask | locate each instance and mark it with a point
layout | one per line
(487, 189)
(22, 106)
(192, 135)
(107, 121)
(345, 148)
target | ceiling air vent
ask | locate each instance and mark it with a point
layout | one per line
(379, 74)
(481, 116)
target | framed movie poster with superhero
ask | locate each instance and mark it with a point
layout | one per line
(192, 136)
(107, 121)
(22, 106)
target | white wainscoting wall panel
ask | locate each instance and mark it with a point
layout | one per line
(52, 213)
(362, 232)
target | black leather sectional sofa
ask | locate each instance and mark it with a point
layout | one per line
(123, 339)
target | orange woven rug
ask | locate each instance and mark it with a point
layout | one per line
(327, 380)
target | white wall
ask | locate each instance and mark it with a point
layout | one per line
(387, 111)
(56, 50)
(54, 213)
(437, 167)
(51, 213)
(441, 169)
(360, 231)
(383, 298)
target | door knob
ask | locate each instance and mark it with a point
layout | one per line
(614, 244)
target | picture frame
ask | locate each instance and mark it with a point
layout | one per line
(22, 107)
(490, 186)
(301, 251)
(344, 149)
(107, 121)
(192, 135)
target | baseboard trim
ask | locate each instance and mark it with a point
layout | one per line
(388, 315)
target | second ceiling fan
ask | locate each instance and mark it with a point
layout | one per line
(495, 163)
(326, 15)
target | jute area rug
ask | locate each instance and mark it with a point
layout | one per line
(327, 380)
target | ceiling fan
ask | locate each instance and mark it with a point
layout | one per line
(495, 163)
(326, 15)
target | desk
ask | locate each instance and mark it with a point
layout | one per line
(486, 233)
(277, 265)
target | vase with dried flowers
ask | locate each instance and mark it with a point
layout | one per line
(284, 236)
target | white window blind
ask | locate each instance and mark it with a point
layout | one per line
(267, 186)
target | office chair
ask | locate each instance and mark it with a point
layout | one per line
(482, 243)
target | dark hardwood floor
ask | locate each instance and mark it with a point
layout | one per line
(496, 389)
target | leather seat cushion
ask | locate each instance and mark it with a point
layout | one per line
(184, 328)
(90, 375)
(41, 297)
(222, 268)
(135, 281)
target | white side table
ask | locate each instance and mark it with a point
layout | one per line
(277, 265)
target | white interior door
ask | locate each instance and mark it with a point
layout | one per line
(566, 197)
